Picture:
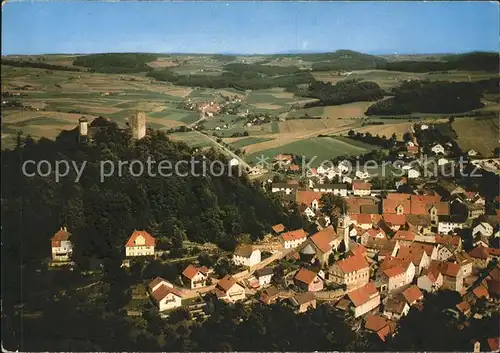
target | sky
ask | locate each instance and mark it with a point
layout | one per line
(248, 27)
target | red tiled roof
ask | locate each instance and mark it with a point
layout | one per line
(494, 343)
(394, 271)
(357, 185)
(283, 157)
(294, 235)
(192, 271)
(162, 291)
(375, 232)
(479, 252)
(375, 322)
(354, 203)
(148, 238)
(61, 235)
(413, 148)
(294, 167)
(448, 239)
(363, 294)
(307, 197)
(226, 283)
(463, 306)
(362, 218)
(395, 219)
(278, 228)
(352, 264)
(407, 235)
(389, 205)
(358, 250)
(323, 238)
(155, 282)
(305, 276)
(446, 268)
(413, 294)
(480, 292)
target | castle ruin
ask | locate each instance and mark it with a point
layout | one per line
(137, 125)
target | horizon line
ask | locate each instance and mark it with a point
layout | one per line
(286, 52)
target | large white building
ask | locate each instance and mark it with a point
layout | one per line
(62, 248)
(246, 255)
(140, 243)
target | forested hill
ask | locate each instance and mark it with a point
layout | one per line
(102, 216)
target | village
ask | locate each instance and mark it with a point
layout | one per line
(374, 254)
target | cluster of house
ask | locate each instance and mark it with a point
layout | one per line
(376, 262)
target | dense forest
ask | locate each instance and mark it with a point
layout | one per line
(344, 60)
(342, 92)
(475, 61)
(430, 97)
(240, 76)
(38, 65)
(116, 63)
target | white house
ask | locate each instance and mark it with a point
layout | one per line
(234, 162)
(229, 290)
(140, 243)
(346, 179)
(437, 149)
(444, 252)
(424, 127)
(196, 277)
(293, 238)
(164, 294)
(413, 173)
(62, 248)
(264, 276)
(246, 255)
(472, 153)
(284, 187)
(430, 282)
(483, 229)
(364, 299)
(336, 189)
(445, 227)
(395, 309)
(344, 166)
(442, 161)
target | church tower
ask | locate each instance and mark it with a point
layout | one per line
(137, 125)
(343, 228)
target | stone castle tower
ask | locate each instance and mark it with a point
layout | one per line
(137, 125)
(83, 126)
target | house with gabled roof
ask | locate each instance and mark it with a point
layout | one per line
(246, 255)
(361, 188)
(195, 277)
(308, 280)
(372, 233)
(364, 299)
(61, 245)
(293, 239)
(413, 295)
(394, 273)
(380, 325)
(278, 229)
(453, 278)
(164, 294)
(228, 289)
(353, 272)
(395, 308)
(264, 276)
(430, 281)
(140, 243)
(321, 244)
(303, 302)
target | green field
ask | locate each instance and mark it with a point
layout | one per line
(478, 134)
(249, 141)
(192, 138)
(324, 148)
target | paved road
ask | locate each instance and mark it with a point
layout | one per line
(228, 152)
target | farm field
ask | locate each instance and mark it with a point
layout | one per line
(192, 138)
(249, 141)
(323, 148)
(478, 134)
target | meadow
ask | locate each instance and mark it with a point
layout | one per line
(323, 148)
(478, 134)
